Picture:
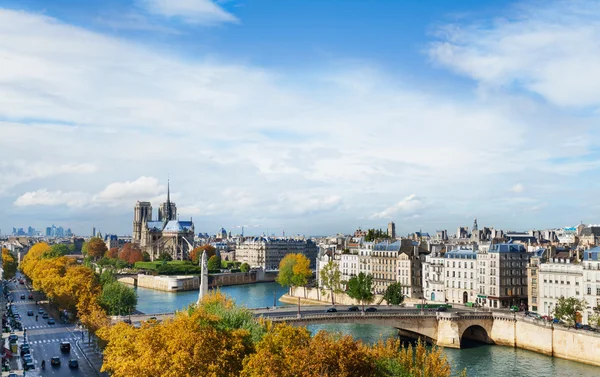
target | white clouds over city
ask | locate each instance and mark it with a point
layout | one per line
(97, 120)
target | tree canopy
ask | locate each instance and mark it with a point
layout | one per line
(214, 263)
(219, 339)
(244, 267)
(197, 252)
(96, 248)
(331, 280)
(131, 253)
(294, 270)
(361, 288)
(9, 264)
(376, 234)
(393, 294)
(566, 309)
(118, 299)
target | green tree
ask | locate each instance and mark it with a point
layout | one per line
(9, 264)
(145, 256)
(118, 299)
(56, 251)
(376, 234)
(331, 280)
(566, 309)
(361, 288)
(165, 257)
(107, 277)
(214, 263)
(245, 267)
(594, 319)
(393, 294)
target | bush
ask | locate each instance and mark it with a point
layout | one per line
(146, 265)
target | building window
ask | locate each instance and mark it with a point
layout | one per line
(589, 290)
(598, 291)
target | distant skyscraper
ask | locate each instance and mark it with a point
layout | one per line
(69, 233)
(94, 232)
(391, 230)
(48, 232)
(475, 225)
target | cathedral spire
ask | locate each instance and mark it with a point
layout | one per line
(169, 212)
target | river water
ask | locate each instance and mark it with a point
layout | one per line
(480, 360)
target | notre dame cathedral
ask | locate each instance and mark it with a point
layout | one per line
(166, 235)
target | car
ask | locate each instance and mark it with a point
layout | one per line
(353, 309)
(65, 346)
(331, 310)
(45, 315)
(127, 321)
(21, 282)
(27, 358)
(55, 360)
(51, 321)
(29, 365)
(370, 310)
(40, 311)
(17, 316)
(22, 297)
(25, 349)
(442, 309)
(73, 364)
(12, 338)
(30, 296)
(12, 375)
(30, 313)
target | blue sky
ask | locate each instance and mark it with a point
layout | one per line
(313, 117)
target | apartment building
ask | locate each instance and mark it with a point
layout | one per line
(461, 275)
(558, 277)
(591, 281)
(267, 252)
(384, 262)
(502, 275)
(410, 269)
(349, 263)
(433, 277)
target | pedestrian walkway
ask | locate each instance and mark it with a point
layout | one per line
(93, 356)
(42, 341)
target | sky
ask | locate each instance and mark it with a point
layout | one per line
(307, 117)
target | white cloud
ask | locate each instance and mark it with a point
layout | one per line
(130, 191)
(52, 198)
(546, 48)
(244, 145)
(518, 188)
(190, 11)
(408, 205)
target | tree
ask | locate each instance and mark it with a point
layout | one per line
(197, 253)
(112, 253)
(331, 280)
(145, 256)
(594, 319)
(96, 248)
(245, 267)
(56, 251)
(376, 234)
(566, 309)
(118, 299)
(294, 271)
(214, 263)
(9, 264)
(131, 253)
(360, 288)
(393, 294)
(106, 277)
(165, 257)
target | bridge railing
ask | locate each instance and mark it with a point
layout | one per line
(295, 316)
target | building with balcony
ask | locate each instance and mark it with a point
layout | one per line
(461, 275)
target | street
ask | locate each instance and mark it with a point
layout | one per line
(45, 339)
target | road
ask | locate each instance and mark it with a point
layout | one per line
(283, 311)
(45, 339)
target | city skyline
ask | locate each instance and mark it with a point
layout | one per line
(310, 118)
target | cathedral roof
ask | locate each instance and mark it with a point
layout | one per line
(178, 226)
(155, 225)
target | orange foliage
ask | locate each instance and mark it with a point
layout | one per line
(112, 253)
(131, 253)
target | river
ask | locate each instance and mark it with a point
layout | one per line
(480, 360)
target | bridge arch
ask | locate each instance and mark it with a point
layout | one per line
(475, 333)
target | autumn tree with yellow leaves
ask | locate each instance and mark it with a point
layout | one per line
(9, 264)
(220, 339)
(294, 271)
(70, 286)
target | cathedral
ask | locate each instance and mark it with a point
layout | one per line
(165, 235)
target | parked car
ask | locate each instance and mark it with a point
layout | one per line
(353, 309)
(31, 296)
(65, 346)
(45, 315)
(331, 310)
(29, 365)
(40, 311)
(371, 309)
(442, 309)
(30, 312)
(12, 338)
(55, 360)
(51, 321)
(73, 364)
(25, 349)
(27, 358)
(588, 328)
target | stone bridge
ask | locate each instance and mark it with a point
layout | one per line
(443, 329)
